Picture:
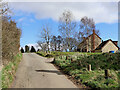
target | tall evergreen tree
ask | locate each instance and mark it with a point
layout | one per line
(26, 48)
(22, 50)
(32, 49)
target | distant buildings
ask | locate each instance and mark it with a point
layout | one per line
(94, 43)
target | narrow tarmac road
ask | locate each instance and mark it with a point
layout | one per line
(34, 71)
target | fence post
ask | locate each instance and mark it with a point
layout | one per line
(106, 73)
(66, 57)
(71, 59)
(61, 57)
(89, 67)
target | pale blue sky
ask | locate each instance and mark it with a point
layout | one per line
(31, 16)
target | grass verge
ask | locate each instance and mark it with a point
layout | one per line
(57, 53)
(76, 67)
(9, 70)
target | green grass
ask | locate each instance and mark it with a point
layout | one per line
(9, 70)
(57, 53)
(77, 68)
(96, 79)
(54, 54)
(75, 64)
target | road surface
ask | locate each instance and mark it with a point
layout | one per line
(34, 71)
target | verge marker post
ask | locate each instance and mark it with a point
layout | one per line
(66, 57)
(89, 67)
(106, 73)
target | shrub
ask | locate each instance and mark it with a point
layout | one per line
(10, 39)
(49, 55)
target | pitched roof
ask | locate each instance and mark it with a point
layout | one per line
(91, 35)
(104, 43)
(88, 37)
(115, 42)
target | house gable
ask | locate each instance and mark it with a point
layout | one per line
(88, 44)
(109, 46)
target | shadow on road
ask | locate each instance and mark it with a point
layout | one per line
(50, 71)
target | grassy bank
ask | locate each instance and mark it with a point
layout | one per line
(76, 67)
(56, 53)
(8, 71)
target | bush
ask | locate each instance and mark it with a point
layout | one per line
(10, 39)
(49, 55)
(42, 53)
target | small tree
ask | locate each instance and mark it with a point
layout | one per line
(26, 48)
(22, 50)
(32, 49)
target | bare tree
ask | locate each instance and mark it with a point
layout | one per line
(73, 43)
(87, 25)
(67, 26)
(4, 9)
(54, 43)
(46, 36)
(59, 42)
(42, 45)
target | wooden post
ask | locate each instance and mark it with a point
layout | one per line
(89, 67)
(71, 59)
(79, 63)
(66, 57)
(61, 57)
(106, 73)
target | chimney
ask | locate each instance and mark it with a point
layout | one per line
(93, 39)
(83, 38)
(115, 42)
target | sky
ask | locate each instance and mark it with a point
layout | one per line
(31, 16)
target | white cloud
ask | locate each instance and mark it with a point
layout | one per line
(21, 19)
(105, 12)
(32, 20)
